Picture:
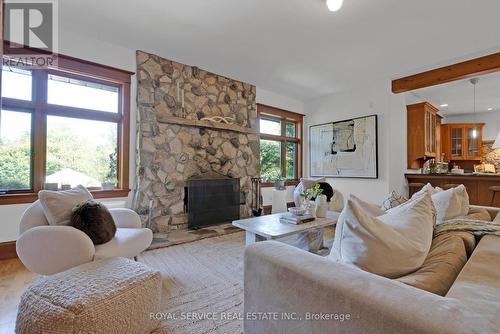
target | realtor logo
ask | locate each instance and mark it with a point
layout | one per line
(30, 31)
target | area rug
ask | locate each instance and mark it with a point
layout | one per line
(202, 288)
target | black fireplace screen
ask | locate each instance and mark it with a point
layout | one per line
(212, 201)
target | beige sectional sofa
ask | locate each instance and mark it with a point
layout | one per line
(288, 290)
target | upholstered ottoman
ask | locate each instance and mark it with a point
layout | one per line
(114, 295)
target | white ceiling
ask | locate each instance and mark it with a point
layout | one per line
(459, 95)
(295, 47)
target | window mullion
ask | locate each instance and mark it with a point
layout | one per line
(39, 129)
(72, 112)
(283, 149)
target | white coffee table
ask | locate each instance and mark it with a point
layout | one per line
(269, 227)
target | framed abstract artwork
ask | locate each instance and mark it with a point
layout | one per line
(344, 149)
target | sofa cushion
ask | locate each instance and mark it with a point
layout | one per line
(497, 218)
(392, 244)
(469, 240)
(478, 285)
(128, 242)
(477, 214)
(446, 258)
(58, 205)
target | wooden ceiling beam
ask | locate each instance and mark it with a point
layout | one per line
(459, 71)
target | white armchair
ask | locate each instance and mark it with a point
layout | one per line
(47, 249)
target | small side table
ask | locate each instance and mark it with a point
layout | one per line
(279, 201)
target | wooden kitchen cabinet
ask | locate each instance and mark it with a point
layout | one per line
(423, 133)
(459, 143)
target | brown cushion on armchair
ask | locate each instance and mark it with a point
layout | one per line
(94, 219)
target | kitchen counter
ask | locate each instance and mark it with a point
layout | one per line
(477, 185)
(454, 175)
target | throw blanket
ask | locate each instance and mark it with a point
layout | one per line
(476, 227)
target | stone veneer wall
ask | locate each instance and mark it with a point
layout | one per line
(490, 155)
(175, 145)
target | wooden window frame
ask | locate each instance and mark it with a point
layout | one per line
(39, 108)
(273, 113)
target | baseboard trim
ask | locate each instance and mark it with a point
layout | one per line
(8, 250)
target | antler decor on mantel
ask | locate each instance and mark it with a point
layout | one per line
(219, 119)
(202, 123)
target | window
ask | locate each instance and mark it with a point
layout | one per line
(280, 143)
(81, 151)
(15, 150)
(16, 83)
(270, 158)
(64, 127)
(75, 93)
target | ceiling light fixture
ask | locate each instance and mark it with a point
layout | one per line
(334, 5)
(444, 105)
(490, 109)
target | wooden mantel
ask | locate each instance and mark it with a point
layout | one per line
(205, 124)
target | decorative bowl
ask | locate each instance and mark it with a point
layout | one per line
(297, 211)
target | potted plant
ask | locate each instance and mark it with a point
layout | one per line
(308, 195)
(110, 180)
(279, 181)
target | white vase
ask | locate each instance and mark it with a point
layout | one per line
(309, 207)
(321, 206)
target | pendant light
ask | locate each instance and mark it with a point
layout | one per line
(334, 5)
(474, 81)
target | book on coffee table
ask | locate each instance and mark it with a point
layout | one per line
(293, 219)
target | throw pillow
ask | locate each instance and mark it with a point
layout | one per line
(428, 188)
(304, 184)
(461, 191)
(336, 202)
(451, 203)
(370, 208)
(497, 218)
(94, 220)
(393, 200)
(57, 205)
(391, 245)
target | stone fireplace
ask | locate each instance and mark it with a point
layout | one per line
(190, 123)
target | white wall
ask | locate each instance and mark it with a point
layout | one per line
(101, 52)
(492, 120)
(374, 98)
(279, 101)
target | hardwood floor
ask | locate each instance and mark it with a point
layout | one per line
(14, 278)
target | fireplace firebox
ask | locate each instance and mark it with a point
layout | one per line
(212, 201)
